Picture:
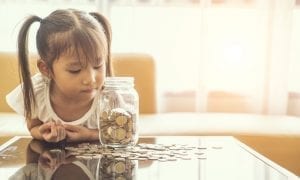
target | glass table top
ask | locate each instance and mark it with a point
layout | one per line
(154, 158)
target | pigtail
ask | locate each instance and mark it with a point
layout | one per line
(107, 30)
(24, 68)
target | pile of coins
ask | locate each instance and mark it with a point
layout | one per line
(157, 152)
(118, 128)
(117, 168)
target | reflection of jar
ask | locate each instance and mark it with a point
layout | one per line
(116, 168)
(119, 110)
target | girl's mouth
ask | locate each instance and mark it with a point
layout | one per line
(88, 90)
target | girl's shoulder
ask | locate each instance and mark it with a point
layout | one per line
(41, 86)
(15, 98)
(39, 81)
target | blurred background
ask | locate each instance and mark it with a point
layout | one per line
(240, 56)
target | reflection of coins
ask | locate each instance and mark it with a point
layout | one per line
(119, 167)
(108, 169)
(121, 178)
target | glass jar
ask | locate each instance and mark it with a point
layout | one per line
(119, 112)
(113, 168)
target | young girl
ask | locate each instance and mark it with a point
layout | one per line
(60, 102)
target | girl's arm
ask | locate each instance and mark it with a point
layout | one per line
(80, 133)
(49, 131)
(33, 127)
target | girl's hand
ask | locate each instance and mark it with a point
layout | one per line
(52, 159)
(80, 133)
(52, 132)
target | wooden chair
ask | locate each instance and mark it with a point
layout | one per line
(142, 68)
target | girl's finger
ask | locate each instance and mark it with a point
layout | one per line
(58, 133)
(64, 133)
(53, 130)
(61, 132)
(45, 127)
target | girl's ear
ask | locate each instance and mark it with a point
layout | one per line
(44, 69)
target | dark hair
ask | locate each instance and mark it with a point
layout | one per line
(63, 31)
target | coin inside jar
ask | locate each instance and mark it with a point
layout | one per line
(120, 134)
(116, 127)
(121, 120)
(104, 115)
(118, 112)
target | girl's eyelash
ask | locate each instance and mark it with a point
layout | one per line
(98, 67)
(77, 71)
(74, 72)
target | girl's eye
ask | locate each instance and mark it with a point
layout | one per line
(98, 67)
(74, 71)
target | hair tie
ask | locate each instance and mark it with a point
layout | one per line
(41, 20)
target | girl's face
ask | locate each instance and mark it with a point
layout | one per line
(76, 82)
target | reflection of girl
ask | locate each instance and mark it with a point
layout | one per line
(80, 169)
(43, 163)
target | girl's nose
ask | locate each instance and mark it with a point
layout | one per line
(89, 77)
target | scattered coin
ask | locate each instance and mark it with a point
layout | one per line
(158, 152)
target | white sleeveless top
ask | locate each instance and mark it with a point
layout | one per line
(44, 110)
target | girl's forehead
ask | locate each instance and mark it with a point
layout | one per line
(73, 57)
